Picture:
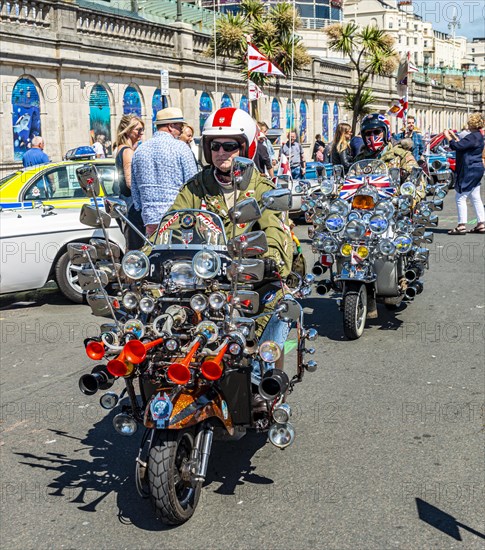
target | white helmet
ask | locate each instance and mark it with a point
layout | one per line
(230, 122)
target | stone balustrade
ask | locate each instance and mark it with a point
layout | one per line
(29, 12)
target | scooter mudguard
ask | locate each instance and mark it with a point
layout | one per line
(186, 408)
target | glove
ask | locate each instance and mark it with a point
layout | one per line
(269, 268)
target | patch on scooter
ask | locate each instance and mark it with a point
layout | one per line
(268, 297)
(225, 412)
(161, 409)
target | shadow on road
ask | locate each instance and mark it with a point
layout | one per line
(49, 295)
(109, 471)
(327, 318)
(442, 521)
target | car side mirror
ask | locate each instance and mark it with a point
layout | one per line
(277, 199)
(245, 211)
(89, 216)
(248, 245)
(88, 179)
(242, 170)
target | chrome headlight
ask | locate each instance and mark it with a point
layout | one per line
(404, 225)
(386, 247)
(334, 223)
(408, 189)
(385, 209)
(206, 264)
(130, 300)
(378, 224)
(135, 264)
(404, 203)
(403, 244)
(181, 274)
(134, 327)
(269, 351)
(217, 300)
(330, 245)
(355, 229)
(354, 216)
(327, 187)
(198, 302)
(340, 207)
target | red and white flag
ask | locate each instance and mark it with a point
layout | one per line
(259, 63)
(284, 165)
(254, 91)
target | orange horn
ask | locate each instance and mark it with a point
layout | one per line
(136, 351)
(120, 366)
(179, 373)
(95, 350)
(212, 368)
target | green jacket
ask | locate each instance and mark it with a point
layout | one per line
(395, 156)
(204, 191)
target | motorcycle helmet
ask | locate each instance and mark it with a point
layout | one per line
(234, 123)
(373, 122)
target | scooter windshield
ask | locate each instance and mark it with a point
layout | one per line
(368, 167)
(190, 228)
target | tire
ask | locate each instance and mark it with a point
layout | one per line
(355, 311)
(453, 181)
(66, 279)
(174, 500)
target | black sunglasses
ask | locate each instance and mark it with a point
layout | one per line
(228, 146)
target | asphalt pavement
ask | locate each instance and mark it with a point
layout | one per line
(389, 432)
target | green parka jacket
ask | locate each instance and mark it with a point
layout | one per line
(203, 191)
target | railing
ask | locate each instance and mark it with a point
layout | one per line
(201, 43)
(31, 12)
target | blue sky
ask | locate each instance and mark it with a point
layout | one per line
(470, 14)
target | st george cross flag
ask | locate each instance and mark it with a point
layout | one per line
(259, 63)
(284, 165)
(399, 108)
(255, 91)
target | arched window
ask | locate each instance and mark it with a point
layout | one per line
(205, 109)
(100, 116)
(25, 116)
(335, 116)
(159, 102)
(303, 121)
(290, 116)
(244, 104)
(131, 102)
(226, 101)
(325, 126)
(275, 113)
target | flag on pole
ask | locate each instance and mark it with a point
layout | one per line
(254, 91)
(259, 63)
(284, 165)
(399, 108)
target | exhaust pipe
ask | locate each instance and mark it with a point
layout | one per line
(323, 287)
(413, 273)
(413, 290)
(318, 269)
(99, 379)
(275, 382)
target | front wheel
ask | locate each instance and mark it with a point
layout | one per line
(67, 279)
(355, 311)
(172, 494)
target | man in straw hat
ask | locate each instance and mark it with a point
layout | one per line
(160, 166)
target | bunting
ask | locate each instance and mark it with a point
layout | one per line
(259, 63)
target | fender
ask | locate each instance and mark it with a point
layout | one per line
(191, 407)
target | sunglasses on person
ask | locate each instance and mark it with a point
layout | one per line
(140, 131)
(228, 146)
(373, 132)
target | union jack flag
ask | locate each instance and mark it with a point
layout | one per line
(382, 184)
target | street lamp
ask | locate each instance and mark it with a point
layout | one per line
(463, 72)
(481, 92)
(426, 66)
(443, 71)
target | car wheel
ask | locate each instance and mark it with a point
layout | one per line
(67, 279)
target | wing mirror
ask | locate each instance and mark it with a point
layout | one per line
(99, 304)
(88, 179)
(416, 172)
(338, 172)
(115, 207)
(248, 245)
(79, 253)
(242, 170)
(88, 279)
(289, 310)
(437, 204)
(245, 211)
(246, 300)
(246, 271)
(395, 175)
(89, 216)
(102, 249)
(277, 199)
(283, 180)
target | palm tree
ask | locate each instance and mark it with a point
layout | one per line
(371, 53)
(271, 31)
